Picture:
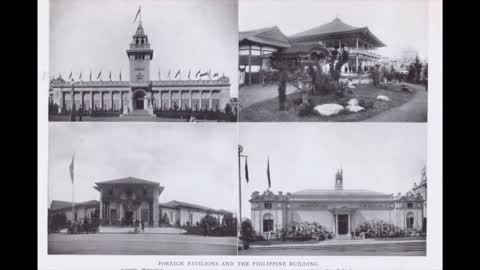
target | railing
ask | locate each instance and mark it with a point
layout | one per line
(364, 52)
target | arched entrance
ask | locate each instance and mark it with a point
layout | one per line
(267, 222)
(410, 220)
(139, 100)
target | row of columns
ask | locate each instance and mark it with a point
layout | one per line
(122, 95)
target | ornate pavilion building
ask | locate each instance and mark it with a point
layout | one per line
(126, 199)
(256, 46)
(140, 93)
(339, 210)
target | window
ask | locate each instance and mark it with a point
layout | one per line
(409, 205)
(267, 205)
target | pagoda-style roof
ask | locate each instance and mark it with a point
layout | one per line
(178, 204)
(57, 205)
(128, 180)
(303, 49)
(336, 28)
(271, 36)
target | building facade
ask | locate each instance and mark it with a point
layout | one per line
(338, 210)
(126, 199)
(200, 91)
(256, 46)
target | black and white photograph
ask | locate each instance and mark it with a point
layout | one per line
(341, 61)
(143, 60)
(318, 190)
(141, 189)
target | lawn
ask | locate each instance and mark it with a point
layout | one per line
(267, 111)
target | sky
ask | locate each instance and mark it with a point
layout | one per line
(94, 34)
(399, 24)
(378, 157)
(195, 163)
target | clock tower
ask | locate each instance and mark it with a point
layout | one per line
(140, 55)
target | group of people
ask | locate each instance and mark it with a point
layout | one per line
(138, 225)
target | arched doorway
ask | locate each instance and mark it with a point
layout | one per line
(267, 222)
(139, 100)
(410, 220)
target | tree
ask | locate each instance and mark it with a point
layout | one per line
(246, 230)
(418, 68)
(208, 224)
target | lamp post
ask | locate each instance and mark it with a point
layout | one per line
(240, 150)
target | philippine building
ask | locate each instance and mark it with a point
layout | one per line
(338, 210)
(256, 47)
(126, 199)
(200, 91)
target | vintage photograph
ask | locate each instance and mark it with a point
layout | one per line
(141, 189)
(333, 190)
(143, 60)
(342, 61)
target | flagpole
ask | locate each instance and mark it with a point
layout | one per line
(240, 149)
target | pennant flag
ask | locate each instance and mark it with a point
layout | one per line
(138, 13)
(70, 76)
(110, 75)
(198, 73)
(120, 75)
(189, 74)
(246, 169)
(168, 76)
(203, 74)
(90, 75)
(215, 75)
(178, 73)
(268, 173)
(80, 76)
(71, 168)
(99, 74)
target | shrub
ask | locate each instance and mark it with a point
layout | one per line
(247, 230)
(305, 109)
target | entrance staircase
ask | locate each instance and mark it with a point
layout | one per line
(139, 115)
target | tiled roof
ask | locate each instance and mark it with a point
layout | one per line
(56, 205)
(305, 48)
(128, 180)
(268, 36)
(334, 26)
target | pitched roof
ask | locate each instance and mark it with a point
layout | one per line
(305, 49)
(178, 204)
(268, 36)
(127, 180)
(56, 205)
(334, 26)
(140, 31)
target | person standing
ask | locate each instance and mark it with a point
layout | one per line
(143, 225)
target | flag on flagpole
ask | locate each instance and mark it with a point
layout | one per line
(189, 74)
(90, 75)
(178, 73)
(198, 73)
(71, 168)
(99, 74)
(80, 76)
(159, 77)
(120, 75)
(246, 169)
(138, 13)
(210, 74)
(268, 173)
(203, 74)
(70, 76)
(215, 75)
(168, 76)
(110, 76)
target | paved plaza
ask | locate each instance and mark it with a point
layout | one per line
(140, 244)
(343, 248)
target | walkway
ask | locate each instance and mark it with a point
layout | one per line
(148, 230)
(249, 95)
(414, 110)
